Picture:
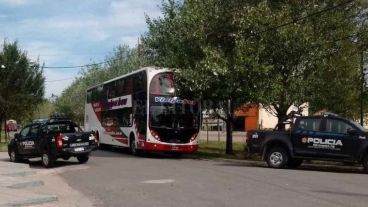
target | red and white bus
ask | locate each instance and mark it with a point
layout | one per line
(140, 111)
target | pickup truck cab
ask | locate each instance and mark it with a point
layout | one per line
(323, 137)
(52, 140)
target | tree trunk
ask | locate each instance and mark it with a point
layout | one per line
(229, 137)
(281, 116)
(229, 128)
(1, 121)
(6, 131)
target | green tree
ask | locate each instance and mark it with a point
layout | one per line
(270, 52)
(203, 41)
(22, 83)
(305, 45)
(122, 61)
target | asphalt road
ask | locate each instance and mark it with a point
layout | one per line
(115, 178)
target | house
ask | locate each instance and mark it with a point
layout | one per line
(251, 117)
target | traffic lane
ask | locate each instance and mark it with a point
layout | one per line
(116, 179)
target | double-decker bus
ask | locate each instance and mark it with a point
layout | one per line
(141, 111)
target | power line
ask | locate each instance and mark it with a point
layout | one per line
(48, 81)
(78, 66)
(307, 16)
(264, 31)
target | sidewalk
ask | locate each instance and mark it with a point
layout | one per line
(25, 185)
(216, 136)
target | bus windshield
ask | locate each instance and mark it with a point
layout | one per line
(174, 116)
(167, 111)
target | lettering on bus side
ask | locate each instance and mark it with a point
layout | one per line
(173, 100)
(119, 102)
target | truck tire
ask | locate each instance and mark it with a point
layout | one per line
(82, 158)
(294, 163)
(277, 157)
(14, 156)
(365, 162)
(47, 159)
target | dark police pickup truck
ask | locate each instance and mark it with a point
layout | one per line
(323, 137)
(56, 138)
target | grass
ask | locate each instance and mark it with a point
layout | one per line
(3, 146)
(215, 150)
(207, 150)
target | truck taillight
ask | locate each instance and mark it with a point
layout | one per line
(193, 137)
(59, 141)
(155, 134)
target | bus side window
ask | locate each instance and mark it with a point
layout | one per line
(111, 90)
(139, 82)
(128, 86)
(119, 86)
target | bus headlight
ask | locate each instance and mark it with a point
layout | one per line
(155, 135)
(193, 137)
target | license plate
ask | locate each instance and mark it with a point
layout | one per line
(174, 148)
(79, 149)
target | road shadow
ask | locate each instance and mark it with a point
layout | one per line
(36, 163)
(317, 167)
(59, 163)
(125, 152)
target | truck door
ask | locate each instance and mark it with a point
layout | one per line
(22, 139)
(33, 139)
(305, 130)
(339, 143)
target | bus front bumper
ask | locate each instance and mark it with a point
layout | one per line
(170, 147)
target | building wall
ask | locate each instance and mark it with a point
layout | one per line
(257, 117)
(250, 114)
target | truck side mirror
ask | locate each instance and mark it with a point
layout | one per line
(17, 136)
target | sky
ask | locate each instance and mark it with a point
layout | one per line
(73, 32)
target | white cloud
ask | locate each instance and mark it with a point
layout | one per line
(132, 13)
(16, 2)
(47, 52)
(132, 41)
(67, 38)
(57, 81)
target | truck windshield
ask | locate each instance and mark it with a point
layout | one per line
(63, 128)
(358, 126)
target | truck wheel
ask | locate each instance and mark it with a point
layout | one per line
(13, 155)
(294, 163)
(277, 157)
(82, 158)
(47, 160)
(365, 163)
